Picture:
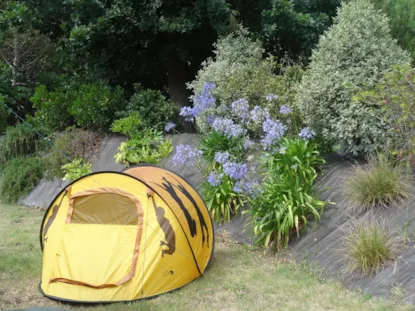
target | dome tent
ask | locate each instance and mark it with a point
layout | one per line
(112, 236)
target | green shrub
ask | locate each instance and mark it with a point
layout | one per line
(76, 169)
(214, 142)
(287, 198)
(396, 96)
(143, 146)
(351, 56)
(95, 105)
(20, 176)
(153, 107)
(52, 109)
(19, 140)
(378, 183)
(72, 144)
(368, 246)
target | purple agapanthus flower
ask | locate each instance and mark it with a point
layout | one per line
(285, 109)
(204, 100)
(185, 155)
(169, 126)
(210, 119)
(187, 113)
(240, 108)
(238, 187)
(258, 114)
(214, 179)
(273, 131)
(228, 127)
(271, 97)
(222, 157)
(247, 144)
(235, 170)
(252, 189)
(306, 133)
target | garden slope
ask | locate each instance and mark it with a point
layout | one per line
(317, 245)
(321, 245)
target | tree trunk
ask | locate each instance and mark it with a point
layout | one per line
(177, 78)
(16, 57)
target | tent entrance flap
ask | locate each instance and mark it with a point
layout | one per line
(101, 239)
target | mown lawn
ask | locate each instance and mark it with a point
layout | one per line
(240, 278)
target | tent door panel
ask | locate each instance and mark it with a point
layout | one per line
(95, 255)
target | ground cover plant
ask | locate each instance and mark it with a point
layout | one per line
(380, 182)
(239, 278)
(369, 244)
(144, 145)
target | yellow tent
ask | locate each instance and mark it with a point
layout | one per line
(115, 236)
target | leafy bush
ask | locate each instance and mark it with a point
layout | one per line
(52, 109)
(287, 198)
(153, 107)
(378, 183)
(143, 146)
(76, 169)
(351, 56)
(95, 105)
(396, 96)
(72, 144)
(369, 245)
(402, 21)
(20, 176)
(19, 140)
(239, 72)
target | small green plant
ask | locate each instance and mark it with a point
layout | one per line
(369, 245)
(76, 169)
(143, 146)
(287, 198)
(214, 142)
(380, 182)
(222, 200)
(20, 175)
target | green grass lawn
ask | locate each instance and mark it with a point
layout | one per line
(240, 278)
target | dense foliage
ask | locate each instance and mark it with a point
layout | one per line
(20, 176)
(395, 95)
(287, 197)
(76, 169)
(351, 56)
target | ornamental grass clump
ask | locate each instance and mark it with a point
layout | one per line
(380, 182)
(368, 246)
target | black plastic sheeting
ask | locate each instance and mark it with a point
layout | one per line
(322, 245)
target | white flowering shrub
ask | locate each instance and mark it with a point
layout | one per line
(351, 56)
(239, 72)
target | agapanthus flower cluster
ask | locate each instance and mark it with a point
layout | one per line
(169, 126)
(273, 131)
(201, 102)
(186, 155)
(285, 109)
(222, 157)
(240, 109)
(306, 133)
(271, 97)
(214, 179)
(251, 188)
(235, 170)
(259, 115)
(228, 128)
(248, 144)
